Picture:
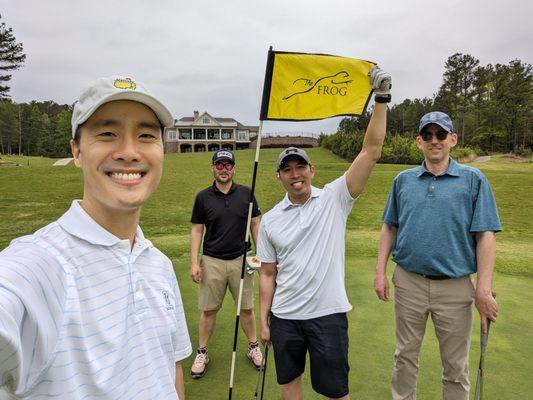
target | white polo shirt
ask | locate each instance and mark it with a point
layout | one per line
(307, 242)
(84, 316)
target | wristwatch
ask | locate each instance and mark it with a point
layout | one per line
(383, 99)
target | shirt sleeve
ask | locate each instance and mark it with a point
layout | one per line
(265, 251)
(485, 216)
(339, 187)
(32, 301)
(256, 212)
(181, 339)
(390, 213)
(198, 215)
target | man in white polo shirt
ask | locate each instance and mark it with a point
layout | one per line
(89, 308)
(303, 301)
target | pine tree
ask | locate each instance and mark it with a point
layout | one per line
(11, 57)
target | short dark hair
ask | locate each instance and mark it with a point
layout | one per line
(77, 135)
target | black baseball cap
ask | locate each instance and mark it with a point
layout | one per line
(223, 155)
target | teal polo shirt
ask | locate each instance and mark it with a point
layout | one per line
(437, 217)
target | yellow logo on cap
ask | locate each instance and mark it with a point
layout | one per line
(125, 83)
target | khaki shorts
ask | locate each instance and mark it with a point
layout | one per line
(217, 275)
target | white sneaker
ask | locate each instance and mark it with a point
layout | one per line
(200, 364)
(255, 356)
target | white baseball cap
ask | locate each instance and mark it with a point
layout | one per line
(112, 88)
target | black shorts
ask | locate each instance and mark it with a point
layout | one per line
(326, 339)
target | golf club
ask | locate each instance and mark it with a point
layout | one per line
(479, 381)
(264, 372)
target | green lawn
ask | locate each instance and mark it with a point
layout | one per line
(31, 196)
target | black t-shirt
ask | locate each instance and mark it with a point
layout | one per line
(224, 217)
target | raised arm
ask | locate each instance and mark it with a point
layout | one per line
(359, 172)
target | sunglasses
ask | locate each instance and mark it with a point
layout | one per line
(227, 166)
(427, 136)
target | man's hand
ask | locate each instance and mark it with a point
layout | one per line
(381, 82)
(487, 307)
(381, 287)
(195, 273)
(265, 335)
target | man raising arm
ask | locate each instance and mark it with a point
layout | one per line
(301, 248)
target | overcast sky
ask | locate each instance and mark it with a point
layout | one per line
(211, 55)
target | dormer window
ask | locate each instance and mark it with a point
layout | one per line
(206, 120)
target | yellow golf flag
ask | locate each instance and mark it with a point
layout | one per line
(303, 86)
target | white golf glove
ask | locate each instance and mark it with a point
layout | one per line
(381, 82)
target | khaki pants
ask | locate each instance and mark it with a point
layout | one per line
(217, 276)
(450, 304)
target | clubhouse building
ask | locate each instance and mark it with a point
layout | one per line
(203, 132)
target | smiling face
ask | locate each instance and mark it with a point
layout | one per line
(436, 151)
(296, 175)
(121, 154)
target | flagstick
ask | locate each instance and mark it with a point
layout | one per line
(243, 268)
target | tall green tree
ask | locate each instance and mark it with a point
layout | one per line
(36, 132)
(456, 92)
(63, 133)
(12, 57)
(9, 127)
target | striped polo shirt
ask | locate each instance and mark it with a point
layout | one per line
(85, 316)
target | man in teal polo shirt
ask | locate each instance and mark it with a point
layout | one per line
(439, 222)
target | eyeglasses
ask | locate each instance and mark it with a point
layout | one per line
(227, 166)
(427, 136)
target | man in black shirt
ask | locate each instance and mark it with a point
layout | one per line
(223, 209)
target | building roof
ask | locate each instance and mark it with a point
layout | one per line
(197, 120)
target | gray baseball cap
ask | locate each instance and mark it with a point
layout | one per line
(436, 117)
(112, 88)
(292, 151)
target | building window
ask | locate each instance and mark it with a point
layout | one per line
(199, 134)
(185, 134)
(242, 135)
(227, 133)
(206, 120)
(171, 135)
(213, 134)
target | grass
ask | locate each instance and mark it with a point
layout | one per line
(31, 196)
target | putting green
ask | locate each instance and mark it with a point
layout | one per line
(32, 196)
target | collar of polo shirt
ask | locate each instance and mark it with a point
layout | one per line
(286, 202)
(451, 170)
(80, 224)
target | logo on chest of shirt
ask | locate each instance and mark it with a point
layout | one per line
(166, 299)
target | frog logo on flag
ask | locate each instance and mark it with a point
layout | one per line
(333, 85)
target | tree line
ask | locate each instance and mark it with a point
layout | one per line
(491, 107)
(35, 128)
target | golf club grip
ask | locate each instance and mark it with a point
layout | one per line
(485, 337)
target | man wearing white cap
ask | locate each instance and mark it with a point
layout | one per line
(439, 224)
(89, 308)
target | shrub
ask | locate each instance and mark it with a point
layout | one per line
(523, 151)
(463, 153)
